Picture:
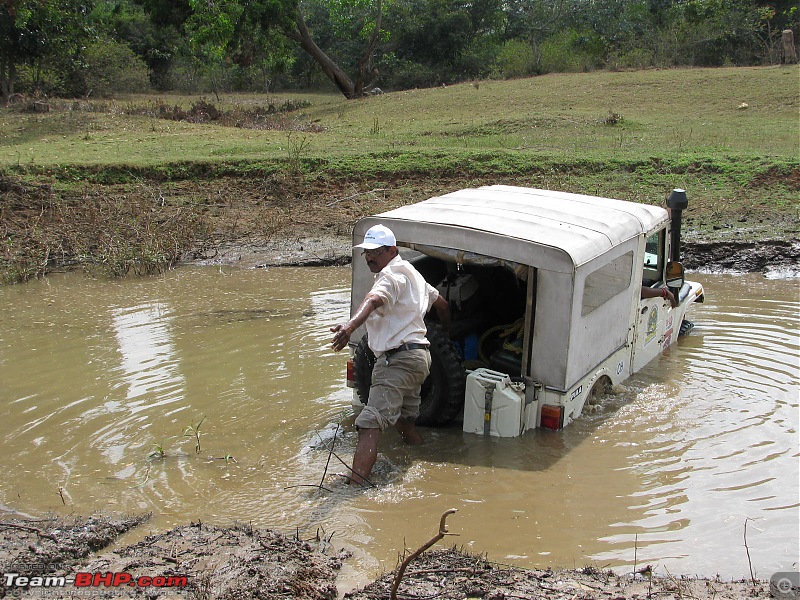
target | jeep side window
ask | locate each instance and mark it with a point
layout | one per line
(653, 258)
(606, 282)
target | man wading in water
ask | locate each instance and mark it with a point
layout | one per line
(394, 312)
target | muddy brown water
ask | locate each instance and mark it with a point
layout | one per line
(95, 376)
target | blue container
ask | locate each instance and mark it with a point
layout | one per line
(471, 347)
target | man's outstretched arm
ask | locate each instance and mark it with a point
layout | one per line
(343, 331)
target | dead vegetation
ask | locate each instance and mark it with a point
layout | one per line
(43, 231)
(270, 115)
(452, 574)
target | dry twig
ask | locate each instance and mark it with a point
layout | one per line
(331, 453)
(38, 532)
(431, 542)
(749, 562)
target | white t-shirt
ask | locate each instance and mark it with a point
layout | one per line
(407, 297)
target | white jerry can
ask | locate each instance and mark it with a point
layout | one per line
(493, 404)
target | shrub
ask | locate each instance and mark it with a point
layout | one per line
(407, 75)
(638, 58)
(41, 80)
(111, 67)
(515, 59)
(570, 52)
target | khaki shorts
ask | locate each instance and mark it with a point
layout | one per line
(396, 382)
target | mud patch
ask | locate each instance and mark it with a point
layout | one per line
(196, 561)
(454, 574)
(743, 257)
(769, 256)
(54, 545)
(226, 563)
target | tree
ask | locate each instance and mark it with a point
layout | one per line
(151, 29)
(444, 40)
(31, 31)
(217, 27)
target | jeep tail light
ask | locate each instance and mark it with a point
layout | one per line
(552, 417)
(351, 374)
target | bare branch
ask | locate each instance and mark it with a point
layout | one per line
(431, 542)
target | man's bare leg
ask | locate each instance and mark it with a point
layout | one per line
(408, 431)
(365, 455)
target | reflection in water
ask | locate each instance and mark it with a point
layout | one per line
(148, 375)
(149, 360)
(95, 375)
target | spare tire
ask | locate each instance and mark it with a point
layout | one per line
(442, 392)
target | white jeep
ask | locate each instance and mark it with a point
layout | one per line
(547, 294)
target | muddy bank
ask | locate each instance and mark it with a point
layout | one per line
(767, 257)
(453, 574)
(781, 257)
(119, 229)
(211, 562)
(195, 560)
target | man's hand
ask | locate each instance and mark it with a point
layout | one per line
(671, 298)
(443, 310)
(659, 292)
(342, 333)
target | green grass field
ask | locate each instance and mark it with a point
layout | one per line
(602, 116)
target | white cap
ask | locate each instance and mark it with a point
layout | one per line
(377, 236)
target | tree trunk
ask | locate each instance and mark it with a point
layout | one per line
(366, 70)
(789, 54)
(8, 73)
(367, 73)
(333, 71)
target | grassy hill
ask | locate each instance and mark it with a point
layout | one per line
(729, 136)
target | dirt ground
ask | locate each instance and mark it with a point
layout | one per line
(264, 227)
(205, 562)
(764, 256)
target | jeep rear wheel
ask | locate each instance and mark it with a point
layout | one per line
(442, 392)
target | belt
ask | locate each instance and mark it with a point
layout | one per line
(402, 347)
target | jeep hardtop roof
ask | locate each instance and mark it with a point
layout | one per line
(583, 249)
(575, 228)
